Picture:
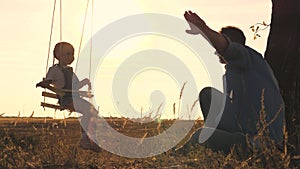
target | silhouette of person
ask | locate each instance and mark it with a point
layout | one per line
(250, 88)
(62, 77)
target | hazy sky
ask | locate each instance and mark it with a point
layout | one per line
(25, 31)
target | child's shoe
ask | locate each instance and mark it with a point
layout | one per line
(87, 144)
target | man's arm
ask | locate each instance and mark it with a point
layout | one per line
(198, 26)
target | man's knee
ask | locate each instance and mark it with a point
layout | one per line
(205, 93)
(205, 100)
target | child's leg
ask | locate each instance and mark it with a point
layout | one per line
(89, 114)
(84, 122)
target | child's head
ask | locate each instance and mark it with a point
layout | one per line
(64, 52)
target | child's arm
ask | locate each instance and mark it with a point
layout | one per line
(84, 82)
(61, 92)
(44, 83)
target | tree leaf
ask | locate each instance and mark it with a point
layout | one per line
(264, 23)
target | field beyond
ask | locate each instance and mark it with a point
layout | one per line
(52, 143)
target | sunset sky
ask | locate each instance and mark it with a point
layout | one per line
(25, 31)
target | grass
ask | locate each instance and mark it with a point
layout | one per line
(49, 143)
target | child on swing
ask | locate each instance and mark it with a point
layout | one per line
(61, 76)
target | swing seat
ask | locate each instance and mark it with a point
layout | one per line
(53, 106)
(56, 107)
(60, 92)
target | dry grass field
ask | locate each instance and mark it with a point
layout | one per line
(50, 143)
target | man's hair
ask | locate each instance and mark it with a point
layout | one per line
(234, 34)
(59, 47)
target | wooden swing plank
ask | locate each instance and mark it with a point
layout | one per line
(50, 95)
(54, 96)
(53, 106)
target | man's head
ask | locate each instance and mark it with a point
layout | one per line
(234, 34)
(64, 53)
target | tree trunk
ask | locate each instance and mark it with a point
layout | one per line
(283, 55)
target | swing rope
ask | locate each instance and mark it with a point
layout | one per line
(61, 35)
(61, 28)
(91, 50)
(91, 46)
(82, 33)
(50, 39)
(81, 38)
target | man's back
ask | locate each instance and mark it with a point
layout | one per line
(254, 89)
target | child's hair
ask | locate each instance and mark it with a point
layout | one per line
(234, 34)
(58, 49)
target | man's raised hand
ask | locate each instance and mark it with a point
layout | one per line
(196, 23)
